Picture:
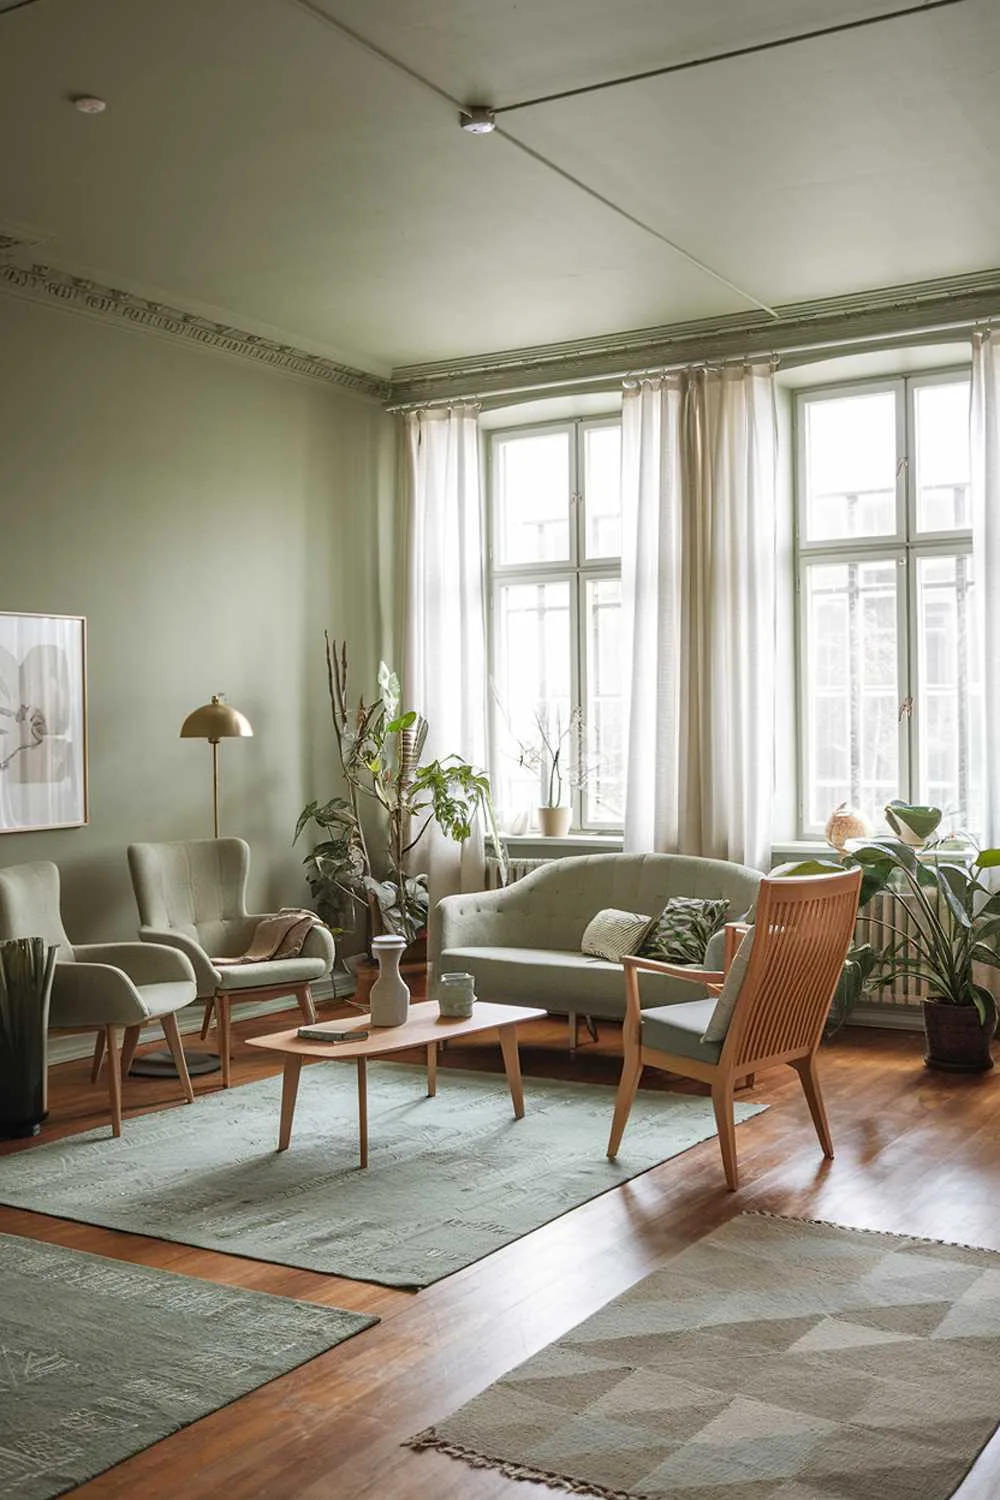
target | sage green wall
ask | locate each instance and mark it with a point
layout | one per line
(210, 518)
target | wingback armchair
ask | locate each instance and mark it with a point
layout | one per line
(191, 895)
(102, 987)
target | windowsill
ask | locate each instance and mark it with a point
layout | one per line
(785, 849)
(577, 843)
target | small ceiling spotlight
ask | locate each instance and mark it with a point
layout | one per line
(88, 105)
(478, 119)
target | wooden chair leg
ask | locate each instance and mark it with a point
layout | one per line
(223, 1032)
(172, 1033)
(129, 1044)
(95, 1067)
(304, 996)
(114, 1079)
(722, 1101)
(809, 1076)
(624, 1099)
(206, 1020)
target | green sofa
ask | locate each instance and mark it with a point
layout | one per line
(522, 944)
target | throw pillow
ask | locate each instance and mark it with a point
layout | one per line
(681, 932)
(613, 933)
(718, 1021)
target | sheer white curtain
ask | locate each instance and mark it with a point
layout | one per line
(985, 474)
(698, 576)
(445, 627)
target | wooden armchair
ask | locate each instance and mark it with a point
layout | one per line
(779, 977)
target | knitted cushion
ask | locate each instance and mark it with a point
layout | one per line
(681, 932)
(612, 934)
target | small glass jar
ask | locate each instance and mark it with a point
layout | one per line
(456, 994)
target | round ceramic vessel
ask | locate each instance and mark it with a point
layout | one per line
(456, 994)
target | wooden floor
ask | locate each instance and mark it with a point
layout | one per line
(917, 1153)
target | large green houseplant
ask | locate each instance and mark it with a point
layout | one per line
(379, 748)
(954, 926)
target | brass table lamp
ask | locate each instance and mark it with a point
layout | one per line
(216, 721)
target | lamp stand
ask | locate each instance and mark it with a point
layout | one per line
(215, 787)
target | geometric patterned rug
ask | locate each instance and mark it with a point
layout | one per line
(99, 1358)
(774, 1360)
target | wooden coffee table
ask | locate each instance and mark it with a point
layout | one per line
(424, 1027)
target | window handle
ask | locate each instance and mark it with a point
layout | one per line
(905, 709)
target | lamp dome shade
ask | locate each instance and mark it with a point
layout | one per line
(217, 720)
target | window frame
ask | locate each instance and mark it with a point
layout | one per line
(577, 570)
(906, 544)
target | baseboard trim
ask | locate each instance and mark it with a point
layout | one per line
(71, 1046)
(888, 1017)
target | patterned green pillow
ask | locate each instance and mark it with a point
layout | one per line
(681, 932)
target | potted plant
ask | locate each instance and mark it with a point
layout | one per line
(379, 748)
(550, 753)
(911, 822)
(955, 922)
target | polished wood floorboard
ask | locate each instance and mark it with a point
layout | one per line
(917, 1153)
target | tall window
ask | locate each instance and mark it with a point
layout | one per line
(555, 571)
(890, 685)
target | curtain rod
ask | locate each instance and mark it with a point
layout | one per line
(787, 358)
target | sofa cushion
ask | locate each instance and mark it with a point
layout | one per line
(680, 934)
(559, 980)
(722, 1013)
(679, 1029)
(613, 933)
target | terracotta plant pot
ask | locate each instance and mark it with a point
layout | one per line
(554, 821)
(957, 1040)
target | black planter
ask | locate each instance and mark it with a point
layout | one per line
(957, 1040)
(26, 971)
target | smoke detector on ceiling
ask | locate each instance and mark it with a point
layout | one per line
(477, 119)
(87, 104)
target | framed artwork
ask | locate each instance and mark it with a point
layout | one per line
(43, 722)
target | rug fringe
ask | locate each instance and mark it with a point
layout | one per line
(429, 1439)
(885, 1234)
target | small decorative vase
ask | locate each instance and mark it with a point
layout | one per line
(389, 1001)
(846, 823)
(554, 821)
(957, 1040)
(456, 995)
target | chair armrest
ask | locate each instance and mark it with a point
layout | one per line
(91, 994)
(676, 971)
(206, 977)
(144, 963)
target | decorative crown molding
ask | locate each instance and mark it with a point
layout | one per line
(885, 312)
(47, 282)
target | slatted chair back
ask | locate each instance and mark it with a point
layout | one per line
(803, 929)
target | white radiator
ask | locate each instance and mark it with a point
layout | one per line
(516, 868)
(884, 912)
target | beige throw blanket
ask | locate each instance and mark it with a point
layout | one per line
(277, 936)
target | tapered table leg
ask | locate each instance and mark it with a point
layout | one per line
(512, 1067)
(363, 1109)
(289, 1093)
(432, 1069)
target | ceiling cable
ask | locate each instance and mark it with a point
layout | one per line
(750, 50)
(320, 14)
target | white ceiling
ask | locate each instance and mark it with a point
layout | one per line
(256, 164)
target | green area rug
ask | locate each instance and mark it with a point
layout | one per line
(774, 1360)
(449, 1179)
(99, 1359)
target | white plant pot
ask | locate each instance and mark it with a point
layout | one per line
(389, 1000)
(555, 821)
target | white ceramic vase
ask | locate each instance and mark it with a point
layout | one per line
(389, 1001)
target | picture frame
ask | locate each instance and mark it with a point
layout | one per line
(43, 722)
